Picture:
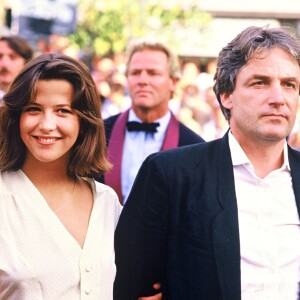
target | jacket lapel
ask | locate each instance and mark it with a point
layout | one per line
(171, 139)
(225, 227)
(115, 153)
(116, 144)
(294, 160)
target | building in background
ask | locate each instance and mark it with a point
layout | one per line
(232, 16)
(38, 19)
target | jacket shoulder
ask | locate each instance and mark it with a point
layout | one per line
(189, 155)
(108, 126)
(187, 136)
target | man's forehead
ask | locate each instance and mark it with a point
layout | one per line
(153, 59)
(6, 49)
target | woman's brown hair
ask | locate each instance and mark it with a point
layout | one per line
(88, 154)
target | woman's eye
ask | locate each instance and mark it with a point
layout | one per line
(64, 111)
(31, 109)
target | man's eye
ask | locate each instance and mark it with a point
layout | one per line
(153, 73)
(135, 73)
(259, 82)
(290, 85)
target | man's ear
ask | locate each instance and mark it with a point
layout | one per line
(174, 82)
(226, 100)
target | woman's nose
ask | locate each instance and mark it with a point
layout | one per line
(47, 122)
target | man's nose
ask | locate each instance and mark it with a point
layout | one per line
(276, 95)
(144, 77)
(4, 61)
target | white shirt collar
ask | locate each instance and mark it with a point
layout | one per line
(239, 157)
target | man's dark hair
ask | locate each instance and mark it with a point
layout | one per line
(253, 40)
(19, 45)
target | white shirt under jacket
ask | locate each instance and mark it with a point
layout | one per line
(40, 259)
(269, 229)
(137, 146)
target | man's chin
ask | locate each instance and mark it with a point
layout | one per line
(276, 136)
(4, 83)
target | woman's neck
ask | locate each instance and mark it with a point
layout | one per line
(39, 172)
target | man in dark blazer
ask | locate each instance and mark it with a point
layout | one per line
(148, 126)
(220, 220)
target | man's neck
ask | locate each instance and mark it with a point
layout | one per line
(265, 158)
(149, 115)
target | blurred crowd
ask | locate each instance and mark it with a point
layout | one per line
(193, 103)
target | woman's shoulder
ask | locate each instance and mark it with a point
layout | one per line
(104, 192)
(99, 187)
(11, 180)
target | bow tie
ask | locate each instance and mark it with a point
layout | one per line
(137, 126)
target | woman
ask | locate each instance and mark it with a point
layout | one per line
(57, 224)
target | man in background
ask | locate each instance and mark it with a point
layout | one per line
(148, 126)
(15, 51)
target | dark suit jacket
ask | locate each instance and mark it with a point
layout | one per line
(185, 137)
(180, 226)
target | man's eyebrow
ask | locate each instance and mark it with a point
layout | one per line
(262, 76)
(259, 76)
(291, 78)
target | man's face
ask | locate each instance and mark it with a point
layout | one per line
(10, 65)
(264, 102)
(149, 82)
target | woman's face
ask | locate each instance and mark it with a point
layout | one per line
(48, 126)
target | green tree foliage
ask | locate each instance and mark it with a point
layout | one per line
(106, 26)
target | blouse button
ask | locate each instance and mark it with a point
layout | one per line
(88, 268)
